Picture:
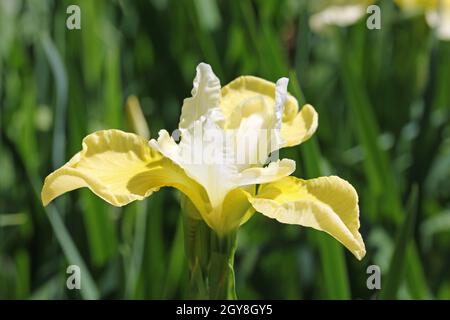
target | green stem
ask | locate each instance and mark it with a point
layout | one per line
(210, 258)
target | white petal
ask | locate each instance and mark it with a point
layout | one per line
(205, 100)
(274, 171)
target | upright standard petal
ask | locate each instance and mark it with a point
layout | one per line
(205, 98)
(327, 204)
(120, 167)
(296, 126)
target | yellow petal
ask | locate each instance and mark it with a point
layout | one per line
(327, 204)
(256, 123)
(296, 126)
(439, 18)
(274, 171)
(120, 167)
(136, 118)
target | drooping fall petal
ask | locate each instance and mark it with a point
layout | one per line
(328, 204)
(120, 167)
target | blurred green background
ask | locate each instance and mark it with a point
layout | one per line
(383, 98)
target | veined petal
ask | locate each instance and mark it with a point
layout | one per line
(273, 172)
(205, 98)
(296, 126)
(120, 167)
(327, 204)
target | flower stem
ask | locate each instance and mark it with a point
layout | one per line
(210, 258)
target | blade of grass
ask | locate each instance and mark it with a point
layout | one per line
(112, 98)
(58, 156)
(396, 267)
(208, 14)
(93, 55)
(415, 274)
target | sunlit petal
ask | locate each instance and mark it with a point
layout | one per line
(296, 126)
(340, 15)
(301, 127)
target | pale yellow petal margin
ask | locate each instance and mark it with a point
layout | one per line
(328, 204)
(301, 127)
(296, 127)
(120, 167)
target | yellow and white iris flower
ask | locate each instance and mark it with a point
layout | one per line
(225, 187)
